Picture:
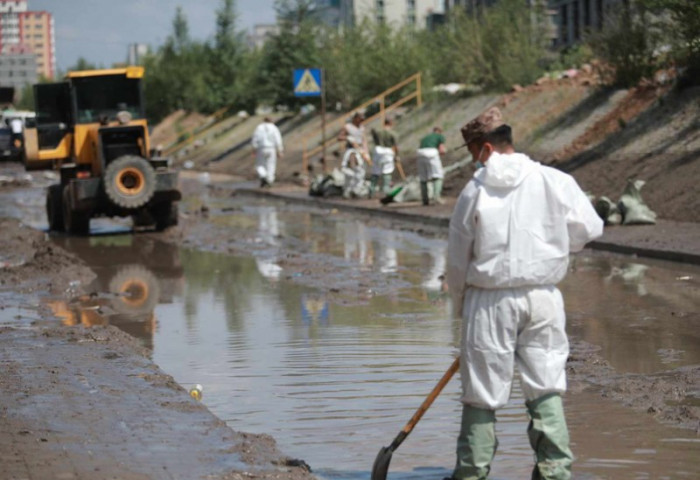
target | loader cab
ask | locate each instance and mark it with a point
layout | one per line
(93, 129)
(91, 118)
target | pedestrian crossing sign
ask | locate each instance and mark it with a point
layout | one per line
(307, 82)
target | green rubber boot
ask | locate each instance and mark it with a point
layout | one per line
(437, 190)
(476, 444)
(386, 183)
(424, 193)
(373, 181)
(549, 438)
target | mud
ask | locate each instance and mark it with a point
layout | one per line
(88, 403)
(670, 397)
(29, 262)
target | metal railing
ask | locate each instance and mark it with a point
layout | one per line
(195, 133)
(337, 124)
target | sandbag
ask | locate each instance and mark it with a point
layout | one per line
(633, 209)
(330, 185)
(406, 191)
(608, 211)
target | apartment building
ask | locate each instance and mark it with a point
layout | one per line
(569, 19)
(33, 29)
(573, 18)
(397, 13)
(37, 31)
(18, 67)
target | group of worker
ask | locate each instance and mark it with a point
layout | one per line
(510, 235)
(384, 158)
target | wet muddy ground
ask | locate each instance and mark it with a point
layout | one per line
(326, 330)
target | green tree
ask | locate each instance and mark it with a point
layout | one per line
(226, 57)
(82, 64)
(294, 46)
(181, 31)
(681, 31)
(630, 41)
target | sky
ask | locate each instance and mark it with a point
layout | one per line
(101, 30)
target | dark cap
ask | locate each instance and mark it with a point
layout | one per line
(485, 123)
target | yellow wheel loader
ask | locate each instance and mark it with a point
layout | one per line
(92, 129)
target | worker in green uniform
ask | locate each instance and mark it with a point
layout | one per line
(430, 165)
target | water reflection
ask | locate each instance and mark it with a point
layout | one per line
(314, 309)
(334, 383)
(133, 277)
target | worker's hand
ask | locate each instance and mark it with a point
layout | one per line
(279, 154)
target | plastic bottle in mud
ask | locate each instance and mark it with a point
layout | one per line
(196, 392)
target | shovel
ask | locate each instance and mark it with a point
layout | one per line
(381, 463)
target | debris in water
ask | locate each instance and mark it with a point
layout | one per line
(684, 278)
(196, 392)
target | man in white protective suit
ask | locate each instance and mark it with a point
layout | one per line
(355, 157)
(267, 143)
(510, 235)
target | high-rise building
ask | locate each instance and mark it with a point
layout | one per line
(397, 13)
(35, 30)
(18, 67)
(569, 20)
(9, 22)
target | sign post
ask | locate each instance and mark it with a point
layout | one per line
(310, 82)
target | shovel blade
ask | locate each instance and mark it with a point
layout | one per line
(381, 464)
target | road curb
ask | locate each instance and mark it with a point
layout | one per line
(441, 221)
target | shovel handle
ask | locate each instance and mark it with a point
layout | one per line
(425, 405)
(402, 173)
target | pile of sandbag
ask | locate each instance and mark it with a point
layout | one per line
(629, 210)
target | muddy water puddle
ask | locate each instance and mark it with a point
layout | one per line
(334, 376)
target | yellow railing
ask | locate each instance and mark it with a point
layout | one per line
(193, 134)
(336, 124)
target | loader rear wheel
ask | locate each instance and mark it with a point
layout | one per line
(77, 223)
(54, 208)
(130, 181)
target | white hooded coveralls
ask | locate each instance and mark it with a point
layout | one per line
(429, 164)
(383, 160)
(510, 235)
(266, 141)
(353, 166)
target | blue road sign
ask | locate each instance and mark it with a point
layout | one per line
(307, 82)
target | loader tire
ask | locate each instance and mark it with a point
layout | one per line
(129, 181)
(136, 288)
(54, 208)
(75, 222)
